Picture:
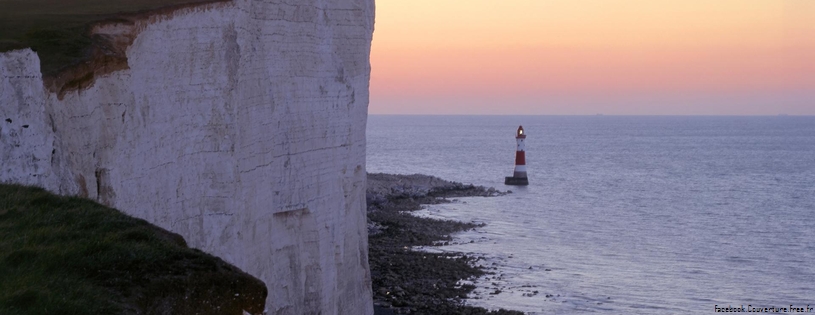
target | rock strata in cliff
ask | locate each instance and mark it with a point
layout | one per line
(239, 125)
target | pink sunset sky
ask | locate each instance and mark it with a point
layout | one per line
(585, 57)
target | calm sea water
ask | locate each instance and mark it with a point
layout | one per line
(624, 215)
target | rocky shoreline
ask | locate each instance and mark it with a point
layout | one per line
(414, 282)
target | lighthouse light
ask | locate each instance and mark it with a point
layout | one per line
(521, 132)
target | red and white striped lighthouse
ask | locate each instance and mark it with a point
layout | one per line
(519, 176)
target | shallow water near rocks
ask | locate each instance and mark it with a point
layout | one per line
(635, 215)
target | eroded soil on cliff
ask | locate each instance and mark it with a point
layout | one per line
(59, 30)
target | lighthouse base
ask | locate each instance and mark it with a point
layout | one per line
(516, 181)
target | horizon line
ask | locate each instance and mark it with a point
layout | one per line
(616, 115)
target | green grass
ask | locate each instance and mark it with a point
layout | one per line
(58, 29)
(68, 255)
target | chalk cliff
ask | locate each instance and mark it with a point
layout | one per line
(239, 125)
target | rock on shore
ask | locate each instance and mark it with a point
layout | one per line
(382, 186)
(412, 282)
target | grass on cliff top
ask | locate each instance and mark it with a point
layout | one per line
(68, 255)
(58, 29)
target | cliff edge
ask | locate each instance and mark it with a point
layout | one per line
(239, 125)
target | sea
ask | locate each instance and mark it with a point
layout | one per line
(624, 214)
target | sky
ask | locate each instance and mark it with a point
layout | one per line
(587, 57)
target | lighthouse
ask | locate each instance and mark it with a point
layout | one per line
(518, 178)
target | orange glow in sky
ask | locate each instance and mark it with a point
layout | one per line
(641, 57)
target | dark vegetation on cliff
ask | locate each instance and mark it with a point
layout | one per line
(58, 30)
(68, 255)
(412, 282)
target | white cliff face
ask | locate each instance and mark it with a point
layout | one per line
(239, 125)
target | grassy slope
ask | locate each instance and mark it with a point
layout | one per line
(67, 255)
(57, 29)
